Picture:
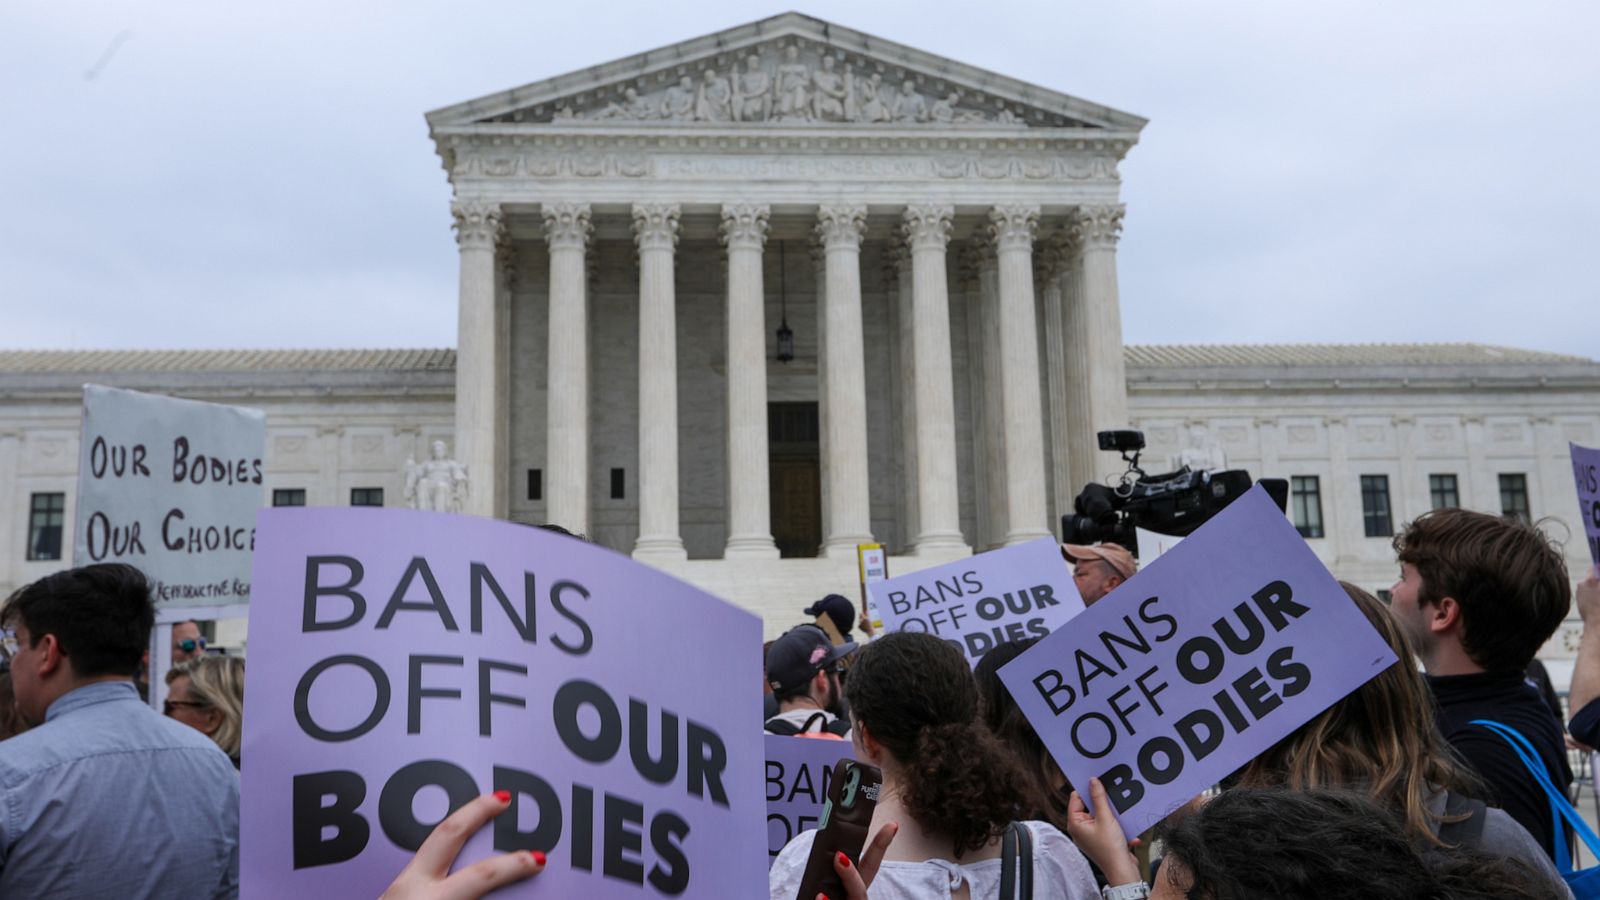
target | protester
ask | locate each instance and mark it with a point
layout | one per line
(1277, 844)
(187, 642)
(103, 790)
(1379, 741)
(1045, 797)
(948, 785)
(428, 876)
(207, 694)
(1584, 700)
(803, 671)
(1098, 570)
(840, 612)
(1479, 595)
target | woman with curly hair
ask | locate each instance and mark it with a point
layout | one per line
(949, 787)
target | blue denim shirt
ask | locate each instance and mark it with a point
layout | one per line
(108, 799)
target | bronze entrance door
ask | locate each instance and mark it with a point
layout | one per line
(796, 478)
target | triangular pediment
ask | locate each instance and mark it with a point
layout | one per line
(788, 71)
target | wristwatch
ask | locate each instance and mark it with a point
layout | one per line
(1137, 890)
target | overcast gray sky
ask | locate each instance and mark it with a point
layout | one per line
(203, 174)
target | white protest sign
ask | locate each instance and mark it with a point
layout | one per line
(873, 560)
(1191, 668)
(985, 600)
(1152, 545)
(799, 771)
(171, 487)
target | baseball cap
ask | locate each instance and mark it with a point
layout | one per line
(837, 608)
(802, 652)
(1116, 555)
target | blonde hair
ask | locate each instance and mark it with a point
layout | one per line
(218, 683)
(1381, 740)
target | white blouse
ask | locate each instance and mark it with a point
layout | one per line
(1059, 871)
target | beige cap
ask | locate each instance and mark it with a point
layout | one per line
(1115, 554)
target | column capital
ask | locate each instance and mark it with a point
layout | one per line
(927, 225)
(841, 224)
(1012, 226)
(655, 226)
(566, 224)
(477, 223)
(744, 225)
(1098, 226)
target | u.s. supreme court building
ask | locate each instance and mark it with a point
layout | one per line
(740, 304)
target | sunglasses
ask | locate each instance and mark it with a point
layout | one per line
(8, 644)
(189, 646)
(169, 705)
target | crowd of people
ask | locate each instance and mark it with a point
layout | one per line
(1397, 790)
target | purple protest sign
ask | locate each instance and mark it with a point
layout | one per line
(1224, 645)
(1586, 471)
(1003, 595)
(798, 773)
(403, 663)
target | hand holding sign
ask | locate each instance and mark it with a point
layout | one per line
(427, 876)
(1224, 645)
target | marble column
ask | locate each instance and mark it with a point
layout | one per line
(819, 278)
(927, 231)
(478, 229)
(905, 379)
(744, 232)
(968, 264)
(1026, 516)
(655, 229)
(992, 422)
(1084, 462)
(567, 229)
(1054, 269)
(507, 271)
(1100, 334)
(840, 227)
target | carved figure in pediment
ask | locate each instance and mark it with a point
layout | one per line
(794, 79)
(677, 103)
(562, 113)
(752, 90)
(1004, 115)
(944, 110)
(910, 106)
(715, 102)
(632, 106)
(871, 106)
(828, 93)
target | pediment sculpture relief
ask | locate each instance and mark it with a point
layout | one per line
(787, 84)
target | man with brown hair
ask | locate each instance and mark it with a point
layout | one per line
(1479, 595)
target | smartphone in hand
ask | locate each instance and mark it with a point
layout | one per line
(846, 816)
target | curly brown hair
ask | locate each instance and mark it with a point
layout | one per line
(914, 694)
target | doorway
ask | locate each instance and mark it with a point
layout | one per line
(795, 463)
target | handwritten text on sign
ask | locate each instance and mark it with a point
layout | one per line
(170, 486)
(405, 662)
(977, 603)
(1586, 470)
(799, 771)
(1217, 650)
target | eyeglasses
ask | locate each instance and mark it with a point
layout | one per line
(189, 645)
(8, 644)
(169, 705)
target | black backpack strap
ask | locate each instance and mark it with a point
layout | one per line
(1463, 832)
(1016, 863)
(1008, 865)
(781, 727)
(839, 727)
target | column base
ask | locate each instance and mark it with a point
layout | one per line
(758, 546)
(659, 548)
(1024, 536)
(944, 544)
(844, 546)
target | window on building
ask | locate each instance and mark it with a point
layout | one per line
(366, 496)
(1442, 491)
(535, 484)
(1514, 496)
(1375, 506)
(1306, 493)
(46, 513)
(618, 484)
(289, 497)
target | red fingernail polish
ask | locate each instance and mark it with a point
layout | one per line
(503, 796)
(844, 860)
(538, 857)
